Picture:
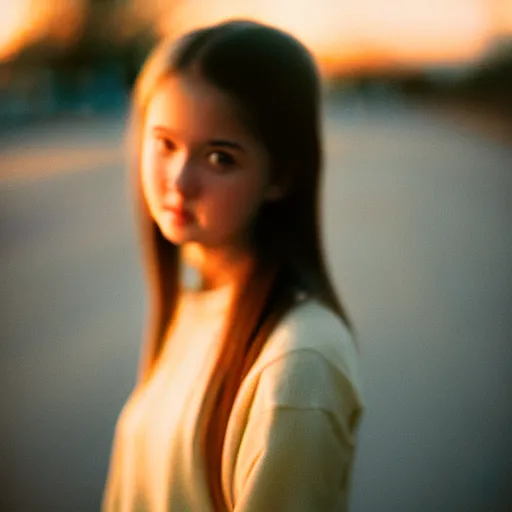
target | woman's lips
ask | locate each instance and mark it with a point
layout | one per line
(180, 214)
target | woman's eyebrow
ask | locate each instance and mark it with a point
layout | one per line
(226, 143)
(163, 129)
(213, 142)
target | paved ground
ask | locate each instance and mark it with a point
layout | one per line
(418, 227)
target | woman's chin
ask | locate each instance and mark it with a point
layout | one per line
(176, 234)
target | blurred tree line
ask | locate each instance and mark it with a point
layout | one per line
(113, 34)
(487, 82)
(93, 70)
(101, 61)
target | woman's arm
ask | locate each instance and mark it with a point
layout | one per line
(304, 464)
(298, 445)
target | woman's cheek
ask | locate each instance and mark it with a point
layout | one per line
(150, 183)
(234, 207)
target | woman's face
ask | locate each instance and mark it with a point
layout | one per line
(198, 156)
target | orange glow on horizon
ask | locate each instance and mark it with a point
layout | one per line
(15, 27)
(25, 21)
(368, 56)
(340, 33)
(345, 35)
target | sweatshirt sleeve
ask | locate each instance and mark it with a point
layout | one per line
(298, 445)
(302, 467)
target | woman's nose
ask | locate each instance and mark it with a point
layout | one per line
(183, 177)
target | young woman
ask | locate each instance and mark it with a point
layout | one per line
(248, 397)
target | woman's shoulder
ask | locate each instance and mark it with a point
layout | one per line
(310, 326)
(310, 351)
(310, 362)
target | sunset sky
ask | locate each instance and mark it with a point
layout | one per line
(23, 21)
(346, 32)
(340, 32)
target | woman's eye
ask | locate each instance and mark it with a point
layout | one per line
(164, 145)
(221, 159)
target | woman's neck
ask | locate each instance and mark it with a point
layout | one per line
(215, 268)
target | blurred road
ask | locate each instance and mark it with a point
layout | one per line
(418, 228)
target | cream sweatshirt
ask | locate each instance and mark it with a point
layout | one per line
(291, 434)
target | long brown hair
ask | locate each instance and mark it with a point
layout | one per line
(274, 80)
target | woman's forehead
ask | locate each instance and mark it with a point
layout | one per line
(192, 107)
